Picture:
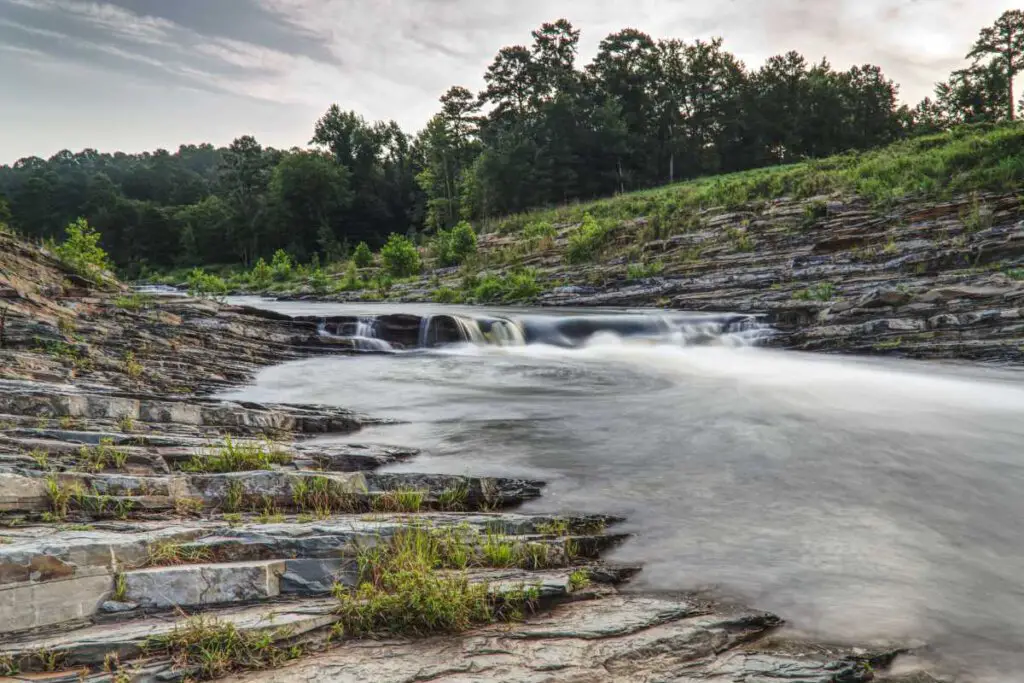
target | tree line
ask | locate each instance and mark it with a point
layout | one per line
(544, 130)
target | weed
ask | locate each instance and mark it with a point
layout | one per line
(740, 239)
(59, 496)
(454, 499)
(188, 507)
(234, 496)
(164, 553)
(977, 216)
(120, 593)
(824, 291)
(1014, 273)
(126, 424)
(134, 302)
(9, 666)
(323, 497)
(490, 495)
(640, 271)
(813, 212)
(554, 527)
(533, 556)
(41, 458)
(132, 367)
(890, 247)
(233, 518)
(214, 648)
(399, 500)
(237, 456)
(579, 579)
(400, 593)
(49, 660)
(499, 551)
(98, 458)
(68, 422)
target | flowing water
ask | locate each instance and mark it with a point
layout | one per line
(860, 499)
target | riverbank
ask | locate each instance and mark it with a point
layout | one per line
(153, 532)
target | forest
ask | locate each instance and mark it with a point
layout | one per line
(544, 131)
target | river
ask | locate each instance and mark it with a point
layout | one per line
(861, 499)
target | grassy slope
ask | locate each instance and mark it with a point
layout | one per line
(934, 166)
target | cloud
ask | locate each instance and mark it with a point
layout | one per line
(391, 59)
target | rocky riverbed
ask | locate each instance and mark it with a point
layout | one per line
(150, 532)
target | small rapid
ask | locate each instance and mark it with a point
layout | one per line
(865, 500)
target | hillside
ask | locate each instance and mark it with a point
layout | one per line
(913, 249)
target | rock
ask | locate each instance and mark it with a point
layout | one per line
(114, 607)
(30, 605)
(884, 297)
(204, 584)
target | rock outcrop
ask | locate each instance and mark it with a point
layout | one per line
(149, 533)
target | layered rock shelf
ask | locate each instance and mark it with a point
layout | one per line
(149, 532)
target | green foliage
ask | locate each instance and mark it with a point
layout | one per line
(81, 250)
(640, 271)
(261, 274)
(319, 281)
(586, 242)
(134, 302)
(401, 593)
(824, 291)
(446, 295)
(212, 648)
(237, 456)
(362, 257)
(399, 500)
(400, 257)
(281, 265)
(517, 286)
(201, 283)
(452, 247)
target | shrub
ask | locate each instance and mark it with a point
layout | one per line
(261, 274)
(400, 256)
(513, 287)
(281, 265)
(351, 281)
(81, 249)
(587, 240)
(446, 295)
(453, 246)
(201, 283)
(362, 257)
(318, 281)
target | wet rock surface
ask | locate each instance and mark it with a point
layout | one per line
(132, 504)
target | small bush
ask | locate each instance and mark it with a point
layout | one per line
(201, 283)
(281, 265)
(81, 250)
(261, 274)
(400, 257)
(446, 295)
(639, 271)
(518, 286)
(318, 281)
(134, 302)
(452, 247)
(362, 256)
(586, 242)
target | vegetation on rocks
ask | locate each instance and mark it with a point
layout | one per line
(237, 456)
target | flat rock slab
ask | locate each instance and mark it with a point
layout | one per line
(204, 584)
(621, 638)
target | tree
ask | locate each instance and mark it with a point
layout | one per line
(245, 173)
(309, 193)
(1003, 43)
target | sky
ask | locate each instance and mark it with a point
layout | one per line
(136, 75)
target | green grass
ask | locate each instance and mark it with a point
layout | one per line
(401, 592)
(164, 553)
(399, 500)
(323, 497)
(99, 458)
(967, 159)
(213, 648)
(236, 456)
(824, 291)
(134, 302)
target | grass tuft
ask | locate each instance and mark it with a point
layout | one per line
(237, 456)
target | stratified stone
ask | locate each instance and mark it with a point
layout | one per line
(205, 584)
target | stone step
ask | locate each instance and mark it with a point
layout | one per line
(203, 584)
(313, 492)
(91, 645)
